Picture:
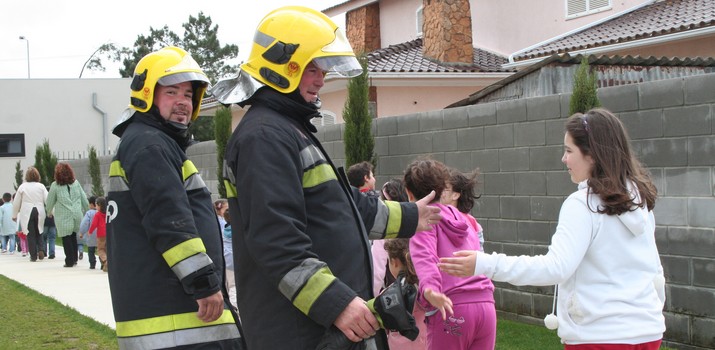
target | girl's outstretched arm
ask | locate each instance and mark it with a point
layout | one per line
(461, 265)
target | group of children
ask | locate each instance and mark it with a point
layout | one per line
(450, 312)
(93, 230)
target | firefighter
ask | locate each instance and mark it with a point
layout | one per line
(166, 270)
(302, 255)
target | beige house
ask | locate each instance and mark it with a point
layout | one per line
(425, 55)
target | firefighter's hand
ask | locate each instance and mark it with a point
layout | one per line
(428, 215)
(356, 321)
(211, 307)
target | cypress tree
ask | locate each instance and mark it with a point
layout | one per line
(584, 96)
(45, 162)
(359, 143)
(18, 175)
(95, 173)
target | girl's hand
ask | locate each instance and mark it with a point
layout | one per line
(440, 301)
(462, 265)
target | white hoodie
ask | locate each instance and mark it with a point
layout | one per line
(611, 286)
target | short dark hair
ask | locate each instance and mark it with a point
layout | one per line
(101, 204)
(92, 199)
(357, 173)
(6, 197)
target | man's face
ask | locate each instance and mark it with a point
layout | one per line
(175, 102)
(311, 82)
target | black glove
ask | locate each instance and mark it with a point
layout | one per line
(393, 308)
(334, 339)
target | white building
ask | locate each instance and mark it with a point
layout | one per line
(72, 114)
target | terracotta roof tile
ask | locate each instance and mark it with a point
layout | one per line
(659, 18)
(408, 58)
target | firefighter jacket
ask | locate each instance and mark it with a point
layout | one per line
(300, 236)
(163, 244)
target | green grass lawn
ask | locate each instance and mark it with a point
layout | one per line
(512, 335)
(30, 320)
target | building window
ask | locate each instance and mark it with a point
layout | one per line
(12, 145)
(578, 8)
(327, 119)
(420, 20)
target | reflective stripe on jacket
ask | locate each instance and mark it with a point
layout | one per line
(164, 246)
(300, 236)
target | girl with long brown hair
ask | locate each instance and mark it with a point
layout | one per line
(603, 256)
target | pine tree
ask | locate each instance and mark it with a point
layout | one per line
(45, 162)
(584, 96)
(359, 143)
(222, 130)
(18, 175)
(95, 173)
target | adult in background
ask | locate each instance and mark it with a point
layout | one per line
(29, 204)
(163, 237)
(67, 202)
(300, 235)
(603, 256)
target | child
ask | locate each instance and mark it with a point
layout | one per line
(459, 193)
(392, 190)
(469, 301)
(22, 239)
(7, 225)
(221, 207)
(90, 240)
(228, 257)
(398, 252)
(603, 255)
(80, 239)
(99, 223)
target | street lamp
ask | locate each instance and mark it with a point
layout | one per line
(28, 54)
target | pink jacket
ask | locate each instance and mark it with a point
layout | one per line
(453, 233)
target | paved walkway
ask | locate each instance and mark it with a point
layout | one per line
(80, 288)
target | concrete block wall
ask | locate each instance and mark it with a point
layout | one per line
(202, 154)
(517, 146)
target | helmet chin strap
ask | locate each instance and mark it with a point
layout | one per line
(317, 103)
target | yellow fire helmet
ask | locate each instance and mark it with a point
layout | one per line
(289, 38)
(168, 66)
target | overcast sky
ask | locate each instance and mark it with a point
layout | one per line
(63, 34)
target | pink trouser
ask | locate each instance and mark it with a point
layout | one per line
(472, 327)
(654, 345)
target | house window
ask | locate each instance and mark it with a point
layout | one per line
(578, 8)
(327, 119)
(420, 20)
(12, 145)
